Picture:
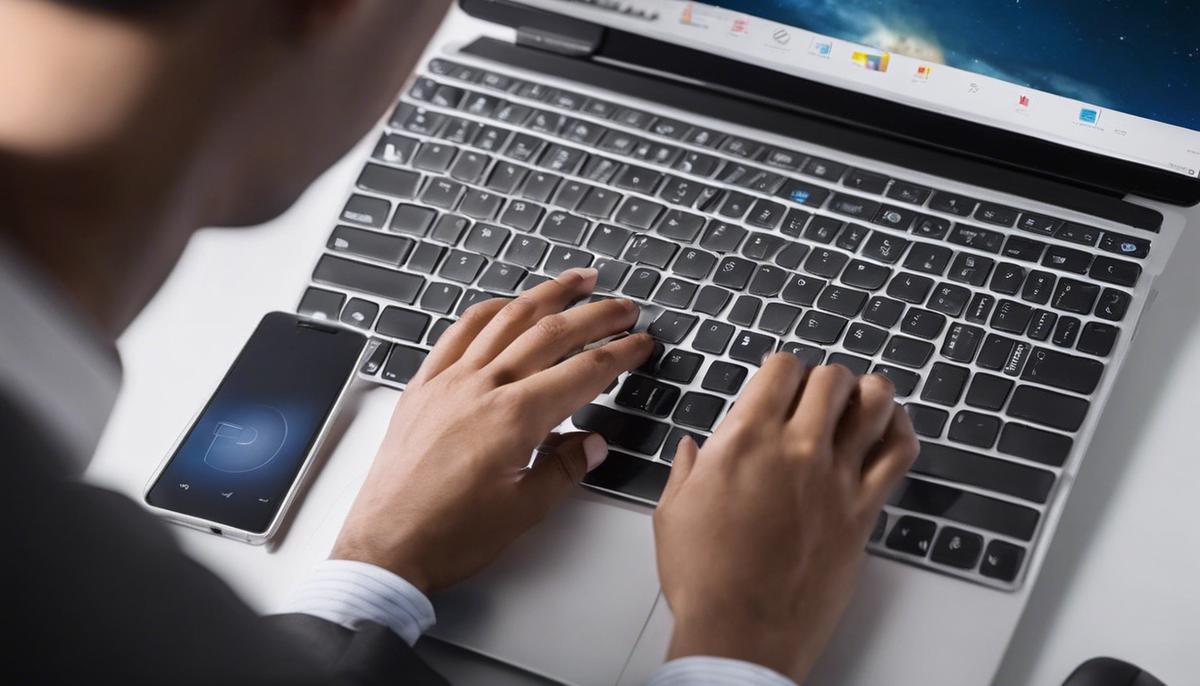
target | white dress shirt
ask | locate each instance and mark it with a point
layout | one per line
(68, 377)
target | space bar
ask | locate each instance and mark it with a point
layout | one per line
(630, 476)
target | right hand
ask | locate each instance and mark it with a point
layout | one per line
(760, 535)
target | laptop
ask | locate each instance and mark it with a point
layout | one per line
(937, 192)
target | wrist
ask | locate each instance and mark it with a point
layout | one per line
(759, 643)
(411, 573)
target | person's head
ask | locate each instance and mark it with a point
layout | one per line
(182, 113)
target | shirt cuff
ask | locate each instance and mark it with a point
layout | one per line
(351, 593)
(716, 671)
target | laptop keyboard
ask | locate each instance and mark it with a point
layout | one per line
(994, 323)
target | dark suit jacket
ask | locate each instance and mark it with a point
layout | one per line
(97, 592)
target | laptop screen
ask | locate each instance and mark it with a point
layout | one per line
(1119, 77)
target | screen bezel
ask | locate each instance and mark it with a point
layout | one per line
(271, 324)
(1029, 154)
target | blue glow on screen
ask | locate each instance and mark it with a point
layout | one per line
(1141, 57)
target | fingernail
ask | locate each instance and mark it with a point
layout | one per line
(588, 274)
(595, 449)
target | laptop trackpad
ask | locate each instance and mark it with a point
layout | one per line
(568, 600)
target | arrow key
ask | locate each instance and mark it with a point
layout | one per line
(957, 548)
(912, 535)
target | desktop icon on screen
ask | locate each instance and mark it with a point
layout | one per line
(1023, 101)
(923, 72)
(1087, 115)
(871, 61)
(821, 48)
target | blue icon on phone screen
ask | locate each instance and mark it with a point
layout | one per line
(247, 439)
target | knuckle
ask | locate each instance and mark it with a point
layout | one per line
(602, 359)
(552, 327)
(520, 309)
(807, 447)
(877, 384)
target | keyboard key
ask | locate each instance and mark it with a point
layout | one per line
(713, 337)
(723, 377)
(372, 244)
(971, 269)
(926, 421)
(853, 206)
(679, 366)
(1024, 249)
(884, 248)
(1007, 278)
(641, 283)
(395, 149)
(824, 169)
(486, 239)
(974, 237)
(910, 288)
(779, 318)
(474, 297)
(1113, 305)
(996, 214)
(698, 163)
(1117, 272)
(376, 353)
(322, 304)
(896, 218)
(822, 229)
(857, 365)
(932, 227)
(611, 274)
(1066, 331)
(672, 443)
(722, 237)
(639, 214)
(479, 204)
(622, 430)
(523, 216)
(435, 157)
(750, 347)
(745, 310)
(762, 246)
(440, 297)
(862, 274)
(957, 548)
(403, 363)
(609, 240)
(399, 183)
(961, 342)
(1067, 259)
(852, 237)
(928, 258)
(526, 251)
(599, 203)
(672, 327)
(988, 391)
(825, 262)
(820, 327)
(680, 226)
(864, 339)
(1042, 325)
(694, 264)
(698, 410)
(967, 508)
(651, 251)
(406, 325)
(1002, 561)
(883, 311)
(1121, 244)
(741, 147)
(785, 159)
(908, 192)
(675, 293)
(1038, 287)
(1012, 317)
(638, 179)
(952, 204)
(995, 352)
(903, 380)
(734, 272)
(908, 352)
(426, 257)
(865, 181)
(945, 384)
(1060, 370)
(1034, 444)
(802, 290)
(647, 395)
(980, 308)
(361, 209)
(839, 300)
(912, 535)
(461, 266)
(1048, 408)
(711, 300)
(949, 299)
(810, 355)
(500, 277)
(563, 258)
(356, 276)
(449, 229)
(923, 323)
(975, 429)
(1098, 339)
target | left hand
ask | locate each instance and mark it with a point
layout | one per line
(449, 489)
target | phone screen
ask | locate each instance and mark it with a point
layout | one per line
(238, 461)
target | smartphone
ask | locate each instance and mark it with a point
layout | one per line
(237, 467)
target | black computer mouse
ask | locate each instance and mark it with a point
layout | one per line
(1108, 671)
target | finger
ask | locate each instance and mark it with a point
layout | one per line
(771, 393)
(826, 393)
(555, 393)
(556, 472)
(891, 459)
(525, 311)
(866, 419)
(453, 343)
(681, 467)
(555, 336)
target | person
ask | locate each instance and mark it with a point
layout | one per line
(128, 124)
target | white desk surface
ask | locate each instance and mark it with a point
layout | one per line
(1122, 578)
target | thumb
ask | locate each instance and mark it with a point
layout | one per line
(562, 462)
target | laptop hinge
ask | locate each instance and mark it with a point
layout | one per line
(577, 43)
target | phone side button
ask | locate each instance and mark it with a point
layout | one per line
(403, 363)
